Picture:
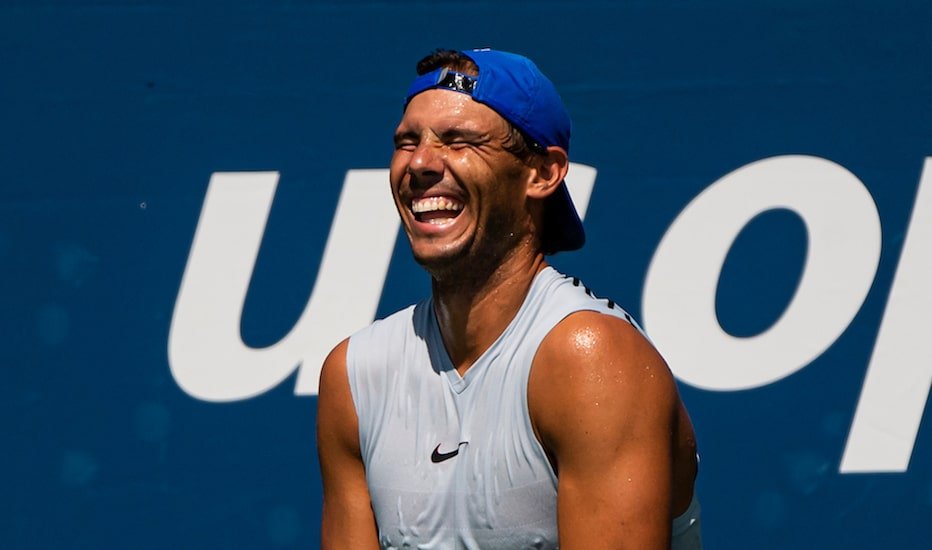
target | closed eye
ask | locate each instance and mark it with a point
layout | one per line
(406, 141)
(460, 139)
(454, 139)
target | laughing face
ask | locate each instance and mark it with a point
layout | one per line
(460, 194)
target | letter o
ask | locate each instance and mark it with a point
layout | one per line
(844, 234)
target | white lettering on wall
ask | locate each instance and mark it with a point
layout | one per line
(207, 355)
(843, 229)
(210, 361)
(896, 388)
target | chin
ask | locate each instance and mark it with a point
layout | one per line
(440, 262)
(471, 262)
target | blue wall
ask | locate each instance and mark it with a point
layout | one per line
(114, 116)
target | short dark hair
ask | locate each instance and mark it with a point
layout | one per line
(518, 144)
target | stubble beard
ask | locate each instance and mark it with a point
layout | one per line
(473, 264)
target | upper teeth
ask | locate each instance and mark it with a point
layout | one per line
(430, 204)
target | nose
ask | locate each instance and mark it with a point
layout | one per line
(426, 162)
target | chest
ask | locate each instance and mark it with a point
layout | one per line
(449, 455)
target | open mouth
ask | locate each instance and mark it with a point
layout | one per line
(436, 210)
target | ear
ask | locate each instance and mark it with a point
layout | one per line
(548, 171)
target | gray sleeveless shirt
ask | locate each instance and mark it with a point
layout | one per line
(452, 461)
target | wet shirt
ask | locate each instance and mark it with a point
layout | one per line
(452, 461)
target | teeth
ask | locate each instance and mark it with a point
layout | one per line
(432, 204)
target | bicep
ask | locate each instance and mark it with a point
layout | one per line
(603, 402)
(348, 521)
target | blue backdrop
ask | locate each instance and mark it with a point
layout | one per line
(114, 116)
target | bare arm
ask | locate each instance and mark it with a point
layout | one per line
(348, 521)
(605, 407)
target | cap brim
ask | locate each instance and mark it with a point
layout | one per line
(563, 230)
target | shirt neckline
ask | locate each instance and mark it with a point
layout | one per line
(438, 350)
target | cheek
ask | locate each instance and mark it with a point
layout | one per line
(396, 170)
(464, 157)
(474, 167)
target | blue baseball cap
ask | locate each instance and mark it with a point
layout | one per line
(514, 87)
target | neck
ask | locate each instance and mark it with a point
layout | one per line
(473, 311)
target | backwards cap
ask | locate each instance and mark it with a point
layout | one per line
(514, 87)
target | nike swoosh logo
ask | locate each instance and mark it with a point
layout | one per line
(436, 457)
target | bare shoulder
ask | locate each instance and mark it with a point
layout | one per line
(593, 363)
(336, 414)
(602, 399)
(348, 521)
(334, 367)
(605, 407)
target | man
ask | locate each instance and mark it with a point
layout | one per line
(512, 409)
